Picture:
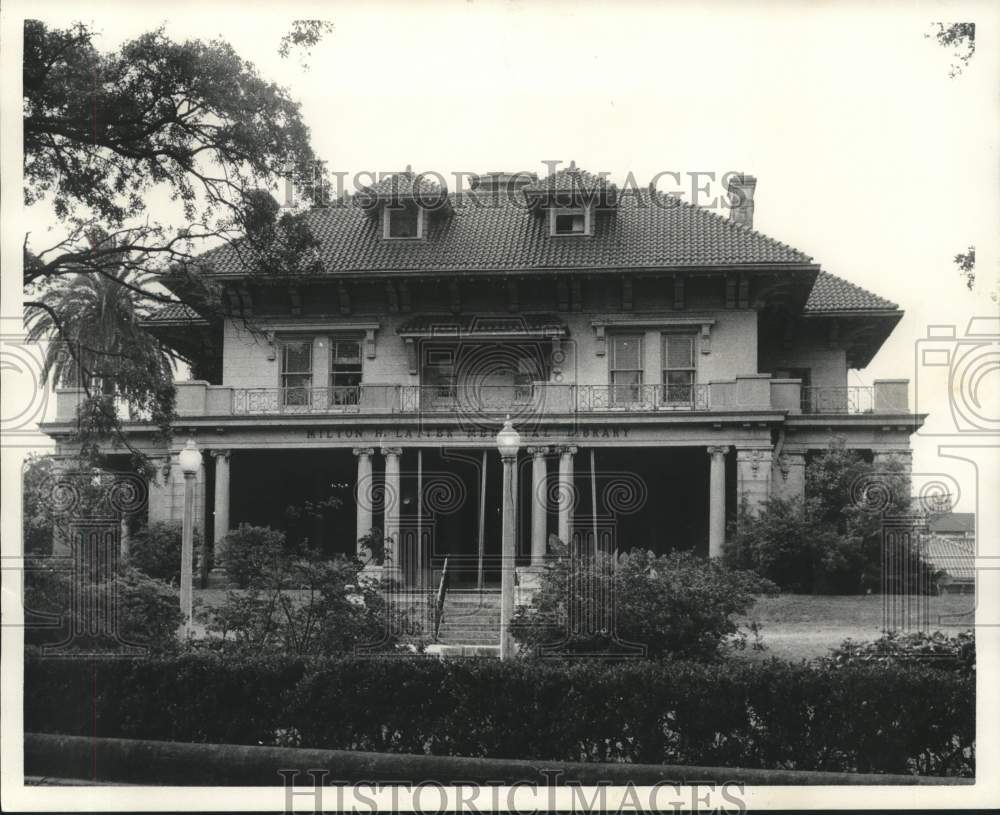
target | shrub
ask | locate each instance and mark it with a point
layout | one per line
(248, 552)
(148, 611)
(677, 604)
(831, 542)
(938, 650)
(785, 544)
(306, 604)
(858, 718)
(155, 550)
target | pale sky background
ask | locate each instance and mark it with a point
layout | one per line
(868, 156)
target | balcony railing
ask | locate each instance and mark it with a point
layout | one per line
(642, 398)
(753, 392)
(852, 400)
(535, 398)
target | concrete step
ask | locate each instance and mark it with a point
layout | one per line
(464, 650)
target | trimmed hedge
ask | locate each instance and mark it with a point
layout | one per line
(767, 715)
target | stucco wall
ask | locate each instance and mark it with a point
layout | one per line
(733, 349)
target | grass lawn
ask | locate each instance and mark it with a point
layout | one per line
(802, 626)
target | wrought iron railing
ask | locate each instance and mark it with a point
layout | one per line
(338, 399)
(642, 398)
(851, 399)
(439, 599)
(471, 399)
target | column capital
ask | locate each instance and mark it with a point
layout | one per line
(364, 451)
(567, 449)
(392, 451)
(223, 454)
(537, 452)
(717, 449)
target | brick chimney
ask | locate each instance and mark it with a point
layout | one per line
(740, 192)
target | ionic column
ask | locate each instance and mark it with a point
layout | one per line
(566, 493)
(392, 505)
(363, 493)
(539, 505)
(220, 523)
(716, 500)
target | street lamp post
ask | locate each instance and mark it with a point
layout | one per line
(508, 443)
(190, 461)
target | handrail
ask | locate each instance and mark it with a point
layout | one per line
(439, 603)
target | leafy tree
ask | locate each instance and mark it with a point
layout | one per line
(103, 131)
(41, 523)
(303, 35)
(961, 38)
(105, 351)
(966, 262)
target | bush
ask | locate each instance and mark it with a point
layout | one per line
(677, 604)
(248, 552)
(148, 611)
(155, 550)
(831, 542)
(307, 604)
(858, 718)
(786, 545)
(938, 650)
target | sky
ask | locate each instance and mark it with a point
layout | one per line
(868, 156)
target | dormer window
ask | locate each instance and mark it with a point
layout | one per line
(403, 220)
(569, 221)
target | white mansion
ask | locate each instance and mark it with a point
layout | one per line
(661, 363)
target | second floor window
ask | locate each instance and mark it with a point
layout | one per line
(678, 369)
(625, 368)
(345, 371)
(296, 372)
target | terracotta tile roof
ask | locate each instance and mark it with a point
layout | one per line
(953, 522)
(402, 185)
(572, 181)
(486, 232)
(956, 558)
(176, 313)
(832, 293)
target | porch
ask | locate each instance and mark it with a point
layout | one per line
(434, 504)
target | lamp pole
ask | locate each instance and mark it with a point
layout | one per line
(508, 443)
(190, 461)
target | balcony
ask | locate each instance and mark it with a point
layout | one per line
(755, 392)
(538, 398)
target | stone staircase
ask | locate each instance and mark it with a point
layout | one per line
(470, 625)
